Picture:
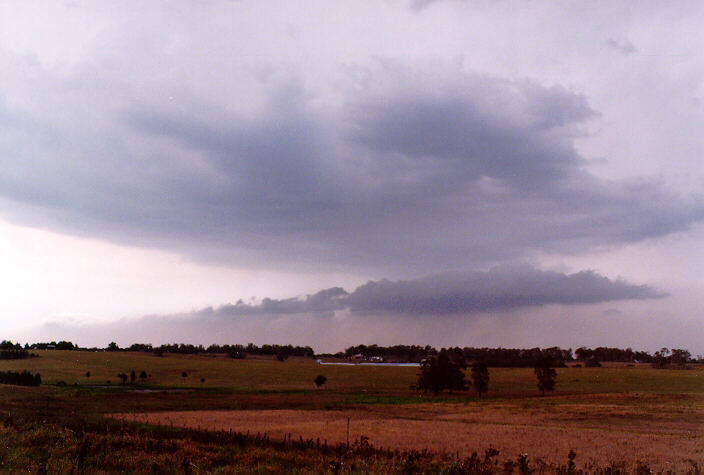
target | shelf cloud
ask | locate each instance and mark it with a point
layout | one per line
(500, 289)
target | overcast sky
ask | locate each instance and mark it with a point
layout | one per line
(334, 173)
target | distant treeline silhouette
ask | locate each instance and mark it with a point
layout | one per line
(495, 357)
(522, 357)
(13, 351)
(411, 353)
(62, 345)
(235, 351)
(25, 378)
(612, 354)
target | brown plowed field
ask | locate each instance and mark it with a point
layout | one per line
(601, 430)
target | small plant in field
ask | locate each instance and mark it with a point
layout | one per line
(143, 375)
(570, 464)
(202, 380)
(320, 380)
(523, 465)
(184, 374)
(87, 374)
(123, 377)
(592, 363)
(133, 377)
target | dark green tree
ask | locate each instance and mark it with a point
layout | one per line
(480, 377)
(546, 375)
(444, 371)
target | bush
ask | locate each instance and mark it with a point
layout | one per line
(320, 380)
(25, 378)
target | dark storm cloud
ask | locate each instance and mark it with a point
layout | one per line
(408, 171)
(502, 288)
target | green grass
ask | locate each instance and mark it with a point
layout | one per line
(297, 374)
(586, 399)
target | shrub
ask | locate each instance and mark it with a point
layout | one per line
(592, 363)
(320, 380)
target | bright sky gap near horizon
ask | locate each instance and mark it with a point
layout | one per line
(440, 172)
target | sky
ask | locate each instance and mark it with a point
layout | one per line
(443, 172)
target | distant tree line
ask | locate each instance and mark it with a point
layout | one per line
(13, 351)
(410, 353)
(524, 358)
(612, 354)
(518, 358)
(235, 351)
(494, 357)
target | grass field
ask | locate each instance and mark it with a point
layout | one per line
(618, 417)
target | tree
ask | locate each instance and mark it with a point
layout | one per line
(680, 357)
(143, 375)
(133, 377)
(123, 377)
(546, 375)
(444, 371)
(113, 346)
(320, 380)
(480, 377)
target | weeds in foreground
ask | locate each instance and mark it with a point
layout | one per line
(71, 443)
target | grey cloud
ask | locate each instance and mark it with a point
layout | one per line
(408, 173)
(501, 288)
(624, 47)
